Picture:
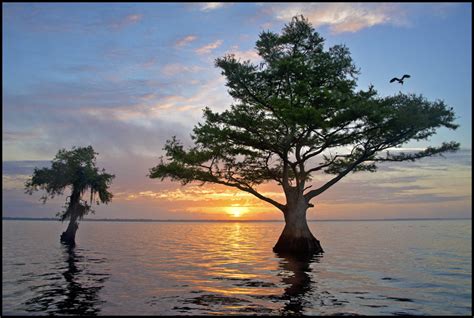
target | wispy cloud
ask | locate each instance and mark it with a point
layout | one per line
(407, 183)
(186, 40)
(125, 21)
(16, 182)
(209, 6)
(199, 194)
(149, 109)
(341, 17)
(128, 105)
(209, 47)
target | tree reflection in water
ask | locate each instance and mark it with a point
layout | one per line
(295, 275)
(75, 293)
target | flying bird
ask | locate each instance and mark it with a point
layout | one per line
(400, 80)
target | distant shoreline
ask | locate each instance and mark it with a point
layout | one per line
(228, 221)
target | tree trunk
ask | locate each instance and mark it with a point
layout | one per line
(69, 236)
(296, 238)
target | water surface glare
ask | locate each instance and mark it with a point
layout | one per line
(207, 268)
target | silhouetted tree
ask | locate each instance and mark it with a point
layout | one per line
(74, 169)
(299, 104)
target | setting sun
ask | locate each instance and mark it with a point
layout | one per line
(236, 211)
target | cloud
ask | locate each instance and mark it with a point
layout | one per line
(427, 181)
(341, 17)
(209, 6)
(117, 123)
(209, 47)
(186, 40)
(166, 108)
(150, 107)
(125, 21)
(115, 114)
(112, 117)
(199, 194)
(16, 182)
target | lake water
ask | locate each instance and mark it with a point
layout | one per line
(208, 268)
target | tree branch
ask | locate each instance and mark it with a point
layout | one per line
(313, 193)
(326, 164)
(247, 188)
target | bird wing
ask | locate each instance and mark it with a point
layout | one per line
(394, 79)
(405, 76)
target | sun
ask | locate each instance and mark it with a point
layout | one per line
(236, 211)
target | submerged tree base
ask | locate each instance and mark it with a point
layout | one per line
(67, 240)
(68, 237)
(302, 245)
(296, 238)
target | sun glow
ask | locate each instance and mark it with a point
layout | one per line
(236, 211)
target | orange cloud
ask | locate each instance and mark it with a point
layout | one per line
(209, 47)
(201, 194)
(216, 202)
(341, 17)
(185, 40)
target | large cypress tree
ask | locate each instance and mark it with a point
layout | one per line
(298, 105)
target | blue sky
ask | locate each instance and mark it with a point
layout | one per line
(125, 77)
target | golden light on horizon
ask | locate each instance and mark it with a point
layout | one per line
(236, 210)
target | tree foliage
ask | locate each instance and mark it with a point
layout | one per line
(75, 169)
(300, 103)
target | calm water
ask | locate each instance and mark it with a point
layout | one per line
(369, 268)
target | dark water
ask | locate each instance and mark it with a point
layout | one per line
(369, 268)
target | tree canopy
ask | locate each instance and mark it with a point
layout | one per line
(75, 169)
(298, 105)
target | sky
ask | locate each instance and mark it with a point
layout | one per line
(125, 77)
